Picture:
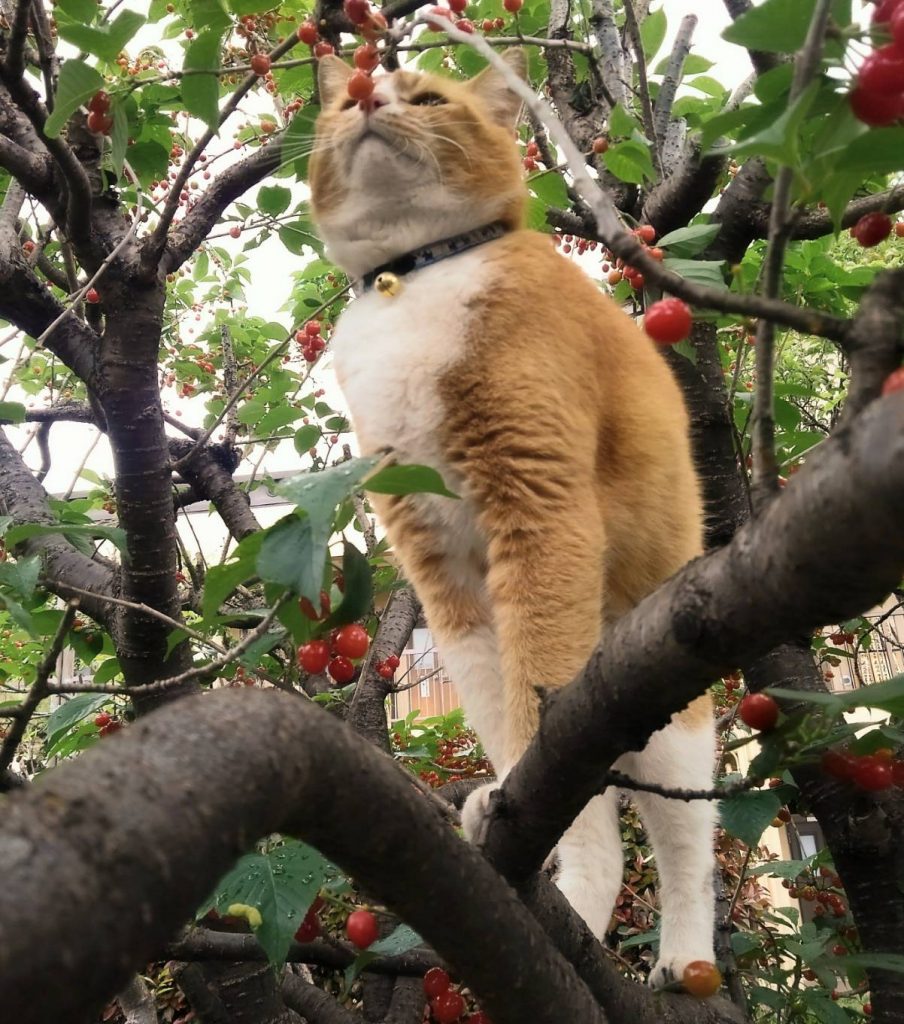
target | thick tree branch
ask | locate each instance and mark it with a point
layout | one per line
(314, 1004)
(59, 872)
(818, 223)
(662, 110)
(367, 714)
(209, 471)
(23, 498)
(27, 169)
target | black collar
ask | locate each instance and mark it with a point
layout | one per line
(434, 252)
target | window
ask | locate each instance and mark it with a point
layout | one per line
(425, 687)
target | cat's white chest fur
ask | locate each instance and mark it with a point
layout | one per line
(389, 355)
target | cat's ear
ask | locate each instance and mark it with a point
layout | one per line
(332, 77)
(492, 89)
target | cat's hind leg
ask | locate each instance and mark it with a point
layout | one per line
(681, 756)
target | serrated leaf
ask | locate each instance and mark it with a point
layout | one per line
(878, 151)
(273, 199)
(746, 815)
(200, 92)
(105, 41)
(12, 412)
(408, 480)
(76, 84)
(621, 122)
(281, 885)
(21, 575)
(780, 138)
(69, 714)
(278, 417)
(550, 189)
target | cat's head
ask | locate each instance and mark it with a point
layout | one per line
(427, 157)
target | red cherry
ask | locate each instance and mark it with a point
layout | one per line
(99, 102)
(701, 978)
(393, 661)
(361, 928)
(235, 231)
(384, 671)
(868, 1009)
(367, 57)
(487, 25)
(309, 928)
(465, 25)
(668, 321)
(513, 6)
(600, 145)
(884, 10)
(436, 981)
(314, 656)
(308, 609)
(307, 33)
(374, 26)
(458, 6)
(352, 641)
(876, 109)
(99, 123)
(103, 719)
(341, 669)
(872, 228)
(883, 71)
(899, 228)
(92, 295)
(357, 11)
(260, 64)
(897, 28)
(360, 85)
(448, 1007)
(759, 711)
(894, 382)
(646, 233)
(323, 49)
(839, 764)
(110, 728)
(873, 774)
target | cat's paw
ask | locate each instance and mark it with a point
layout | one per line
(477, 812)
(669, 970)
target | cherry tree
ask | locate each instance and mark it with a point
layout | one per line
(253, 809)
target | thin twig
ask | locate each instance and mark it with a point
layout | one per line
(622, 781)
(646, 105)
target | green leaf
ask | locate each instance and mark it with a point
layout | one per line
(21, 576)
(780, 138)
(292, 556)
(108, 670)
(550, 188)
(652, 33)
(149, 159)
(306, 438)
(708, 272)
(746, 815)
(399, 941)
(12, 412)
(780, 868)
(105, 41)
(281, 885)
(209, 14)
(83, 11)
(77, 83)
(201, 93)
(621, 122)
(221, 580)
(78, 738)
(408, 480)
(68, 714)
(251, 6)
(273, 199)
(279, 416)
(630, 161)
(296, 236)
(79, 534)
(690, 241)
(878, 151)
(826, 1010)
(775, 26)
(356, 601)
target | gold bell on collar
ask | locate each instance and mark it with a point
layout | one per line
(387, 284)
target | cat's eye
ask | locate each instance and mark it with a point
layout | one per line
(427, 99)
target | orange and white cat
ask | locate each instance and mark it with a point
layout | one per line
(556, 420)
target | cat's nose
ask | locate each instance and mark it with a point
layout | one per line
(372, 103)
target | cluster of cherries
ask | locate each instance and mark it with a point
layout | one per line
(310, 340)
(100, 120)
(447, 1004)
(876, 771)
(878, 96)
(824, 888)
(873, 228)
(336, 654)
(107, 724)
